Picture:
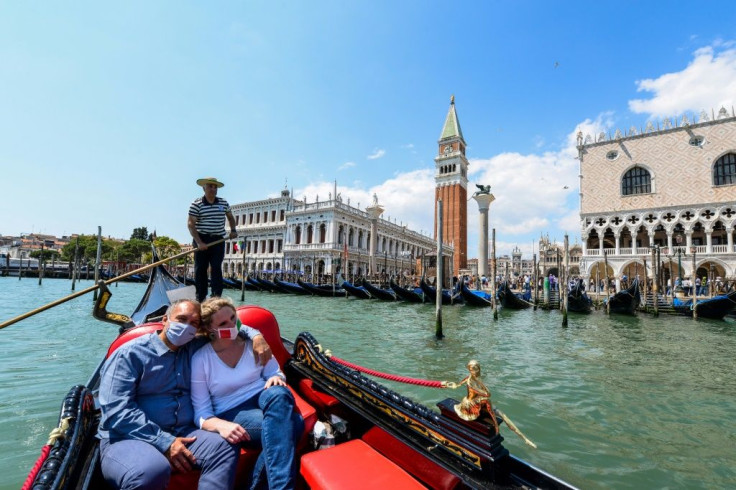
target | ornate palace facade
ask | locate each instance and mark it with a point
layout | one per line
(671, 188)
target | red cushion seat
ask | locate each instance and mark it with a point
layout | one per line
(354, 465)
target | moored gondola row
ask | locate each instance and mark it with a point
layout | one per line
(627, 301)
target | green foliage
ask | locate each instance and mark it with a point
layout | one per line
(134, 250)
(47, 254)
(140, 233)
(87, 251)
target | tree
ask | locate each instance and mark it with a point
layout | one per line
(166, 246)
(140, 233)
(47, 254)
(134, 249)
(87, 248)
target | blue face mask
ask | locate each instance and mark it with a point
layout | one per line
(180, 333)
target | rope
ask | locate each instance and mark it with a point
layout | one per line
(36, 467)
(393, 377)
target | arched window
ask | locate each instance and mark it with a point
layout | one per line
(636, 181)
(724, 171)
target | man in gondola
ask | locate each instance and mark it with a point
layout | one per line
(147, 427)
(206, 224)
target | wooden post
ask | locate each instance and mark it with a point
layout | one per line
(597, 287)
(695, 295)
(655, 280)
(566, 271)
(438, 283)
(98, 261)
(494, 286)
(672, 283)
(40, 268)
(74, 262)
(535, 283)
(242, 275)
(608, 283)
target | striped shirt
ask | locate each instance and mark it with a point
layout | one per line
(210, 217)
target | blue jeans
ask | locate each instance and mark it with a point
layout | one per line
(136, 464)
(212, 258)
(272, 424)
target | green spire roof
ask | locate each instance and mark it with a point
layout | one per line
(451, 129)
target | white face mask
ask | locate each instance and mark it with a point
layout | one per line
(227, 333)
(180, 333)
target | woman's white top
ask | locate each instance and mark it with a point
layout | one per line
(217, 387)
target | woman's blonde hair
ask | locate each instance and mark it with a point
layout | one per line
(211, 306)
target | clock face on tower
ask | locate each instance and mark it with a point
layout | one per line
(448, 149)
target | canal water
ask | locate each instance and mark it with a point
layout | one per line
(612, 402)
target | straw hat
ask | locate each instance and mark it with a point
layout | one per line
(209, 180)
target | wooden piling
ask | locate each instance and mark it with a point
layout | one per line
(535, 280)
(40, 268)
(98, 261)
(438, 284)
(695, 294)
(655, 280)
(608, 284)
(494, 286)
(566, 270)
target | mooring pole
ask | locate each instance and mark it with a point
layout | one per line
(242, 276)
(565, 273)
(40, 265)
(438, 283)
(74, 267)
(655, 280)
(494, 286)
(535, 283)
(608, 284)
(695, 293)
(98, 261)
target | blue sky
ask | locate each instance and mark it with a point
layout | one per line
(109, 113)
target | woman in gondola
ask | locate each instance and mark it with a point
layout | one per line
(244, 402)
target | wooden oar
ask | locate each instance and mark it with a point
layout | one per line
(92, 288)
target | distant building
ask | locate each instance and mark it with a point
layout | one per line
(320, 239)
(671, 187)
(451, 187)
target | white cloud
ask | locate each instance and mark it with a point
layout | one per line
(708, 82)
(377, 153)
(346, 166)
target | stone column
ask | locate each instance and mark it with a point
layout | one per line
(669, 241)
(708, 242)
(375, 211)
(618, 243)
(585, 245)
(600, 242)
(729, 239)
(484, 202)
(688, 239)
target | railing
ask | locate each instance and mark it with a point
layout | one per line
(645, 251)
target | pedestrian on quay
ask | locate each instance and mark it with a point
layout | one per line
(206, 224)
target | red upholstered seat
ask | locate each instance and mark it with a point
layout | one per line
(265, 322)
(414, 462)
(316, 398)
(132, 334)
(354, 465)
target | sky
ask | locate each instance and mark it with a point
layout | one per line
(109, 113)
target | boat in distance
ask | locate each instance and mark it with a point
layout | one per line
(414, 295)
(392, 441)
(626, 301)
(510, 299)
(577, 300)
(475, 298)
(715, 308)
(379, 293)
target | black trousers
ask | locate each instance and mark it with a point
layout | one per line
(212, 258)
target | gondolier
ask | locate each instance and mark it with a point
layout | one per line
(207, 224)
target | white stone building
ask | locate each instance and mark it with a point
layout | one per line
(290, 236)
(671, 188)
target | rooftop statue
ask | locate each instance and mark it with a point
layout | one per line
(482, 189)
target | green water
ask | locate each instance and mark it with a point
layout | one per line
(612, 402)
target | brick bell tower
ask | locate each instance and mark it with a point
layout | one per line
(451, 180)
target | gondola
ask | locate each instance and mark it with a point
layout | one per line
(625, 302)
(378, 293)
(291, 287)
(327, 291)
(356, 291)
(253, 282)
(413, 295)
(430, 294)
(475, 298)
(511, 300)
(271, 286)
(716, 307)
(577, 300)
(230, 283)
(391, 441)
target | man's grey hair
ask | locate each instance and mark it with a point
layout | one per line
(178, 302)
